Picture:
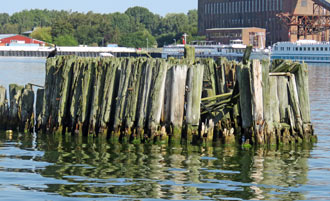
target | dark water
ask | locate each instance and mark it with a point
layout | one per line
(52, 167)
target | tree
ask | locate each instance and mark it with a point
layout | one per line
(9, 29)
(42, 33)
(4, 18)
(138, 39)
(174, 23)
(141, 15)
(95, 28)
(62, 27)
(65, 40)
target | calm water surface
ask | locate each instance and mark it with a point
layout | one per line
(53, 167)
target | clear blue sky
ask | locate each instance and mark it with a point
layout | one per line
(100, 6)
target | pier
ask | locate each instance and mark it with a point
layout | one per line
(39, 51)
(189, 100)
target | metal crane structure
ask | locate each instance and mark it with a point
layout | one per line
(316, 24)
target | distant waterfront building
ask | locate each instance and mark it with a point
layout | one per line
(249, 36)
(251, 13)
(19, 40)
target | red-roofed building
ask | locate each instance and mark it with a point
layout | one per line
(18, 40)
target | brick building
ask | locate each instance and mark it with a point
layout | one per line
(249, 36)
(251, 13)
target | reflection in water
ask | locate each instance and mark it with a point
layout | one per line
(93, 168)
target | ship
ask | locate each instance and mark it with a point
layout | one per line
(208, 49)
(308, 51)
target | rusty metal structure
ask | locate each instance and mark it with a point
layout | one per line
(315, 25)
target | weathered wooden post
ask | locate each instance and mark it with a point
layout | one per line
(15, 95)
(257, 101)
(294, 99)
(189, 53)
(244, 77)
(39, 105)
(132, 95)
(27, 111)
(156, 97)
(220, 75)
(122, 93)
(193, 97)
(143, 99)
(303, 94)
(175, 95)
(108, 95)
(3, 108)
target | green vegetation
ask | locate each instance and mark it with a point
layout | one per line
(136, 27)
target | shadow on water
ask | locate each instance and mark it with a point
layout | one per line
(74, 167)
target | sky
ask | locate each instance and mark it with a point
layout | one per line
(161, 7)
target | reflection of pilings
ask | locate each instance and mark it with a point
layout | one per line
(279, 168)
(95, 166)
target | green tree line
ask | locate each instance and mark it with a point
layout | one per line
(136, 27)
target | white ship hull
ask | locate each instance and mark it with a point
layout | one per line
(308, 51)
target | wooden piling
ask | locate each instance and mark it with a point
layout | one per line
(143, 99)
(294, 100)
(175, 99)
(126, 70)
(27, 111)
(3, 108)
(257, 101)
(156, 98)
(189, 53)
(148, 100)
(15, 94)
(244, 77)
(39, 105)
(111, 68)
(193, 99)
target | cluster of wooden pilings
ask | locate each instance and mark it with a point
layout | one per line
(156, 100)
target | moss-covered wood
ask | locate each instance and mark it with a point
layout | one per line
(3, 108)
(154, 100)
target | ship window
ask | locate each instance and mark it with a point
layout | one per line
(313, 48)
(288, 48)
(304, 48)
(296, 49)
(326, 49)
(309, 49)
(300, 49)
(321, 48)
(317, 49)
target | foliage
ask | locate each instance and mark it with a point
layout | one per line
(139, 39)
(65, 40)
(42, 33)
(130, 28)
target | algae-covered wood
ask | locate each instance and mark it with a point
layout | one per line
(303, 90)
(3, 107)
(194, 94)
(156, 96)
(282, 88)
(244, 77)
